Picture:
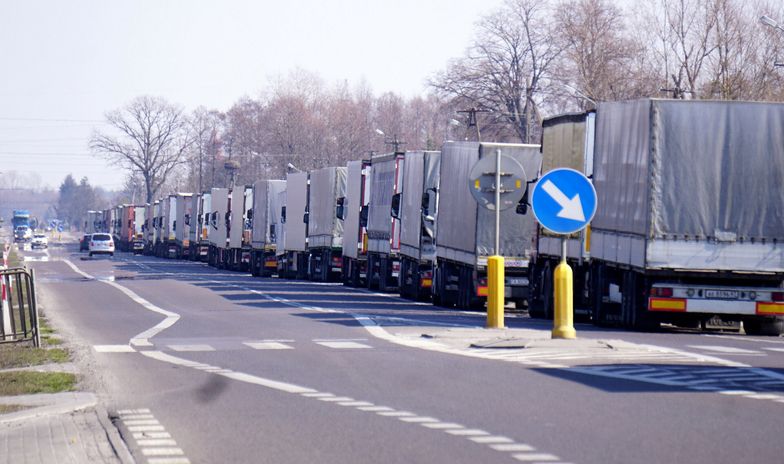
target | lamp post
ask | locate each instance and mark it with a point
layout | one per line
(231, 168)
(770, 22)
(394, 141)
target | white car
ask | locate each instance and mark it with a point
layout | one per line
(39, 241)
(101, 244)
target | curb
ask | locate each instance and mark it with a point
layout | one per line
(115, 438)
(77, 402)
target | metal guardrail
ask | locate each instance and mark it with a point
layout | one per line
(19, 322)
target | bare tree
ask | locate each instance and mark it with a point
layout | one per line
(507, 66)
(152, 140)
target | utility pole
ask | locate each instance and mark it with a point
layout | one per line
(471, 112)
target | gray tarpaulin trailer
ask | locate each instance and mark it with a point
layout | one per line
(465, 231)
(218, 227)
(325, 230)
(567, 142)
(179, 245)
(237, 255)
(294, 263)
(280, 230)
(265, 225)
(690, 218)
(386, 172)
(200, 223)
(418, 213)
(355, 216)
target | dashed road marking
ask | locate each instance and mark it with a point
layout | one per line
(344, 345)
(268, 345)
(780, 350)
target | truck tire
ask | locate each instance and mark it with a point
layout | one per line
(764, 326)
(437, 287)
(383, 275)
(548, 291)
(403, 288)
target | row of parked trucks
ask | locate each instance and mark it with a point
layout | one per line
(689, 226)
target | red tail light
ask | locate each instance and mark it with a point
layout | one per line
(663, 292)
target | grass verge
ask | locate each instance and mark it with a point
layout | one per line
(26, 356)
(25, 383)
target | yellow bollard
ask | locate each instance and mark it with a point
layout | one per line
(495, 292)
(563, 326)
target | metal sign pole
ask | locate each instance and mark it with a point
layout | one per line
(498, 202)
(495, 264)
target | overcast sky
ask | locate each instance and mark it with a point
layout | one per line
(65, 63)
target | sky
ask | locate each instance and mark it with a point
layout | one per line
(64, 64)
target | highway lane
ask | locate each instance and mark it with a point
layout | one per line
(563, 415)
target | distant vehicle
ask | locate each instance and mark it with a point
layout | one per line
(23, 234)
(21, 218)
(84, 243)
(39, 241)
(101, 244)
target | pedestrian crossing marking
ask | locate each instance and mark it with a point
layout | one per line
(723, 349)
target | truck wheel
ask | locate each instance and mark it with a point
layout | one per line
(382, 275)
(548, 291)
(403, 279)
(437, 288)
(371, 267)
(634, 312)
(764, 326)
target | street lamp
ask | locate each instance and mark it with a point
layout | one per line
(291, 168)
(768, 21)
(391, 141)
(231, 167)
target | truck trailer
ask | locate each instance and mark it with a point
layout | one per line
(353, 209)
(325, 229)
(418, 216)
(383, 225)
(265, 225)
(567, 142)
(294, 262)
(690, 221)
(465, 233)
(218, 230)
(237, 255)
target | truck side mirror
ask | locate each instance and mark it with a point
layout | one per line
(272, 232)
(522, 205)
(250, 214)
(174, 225)
(282, 214)
(363, 216)
(425, 204)
(306, 217)
(395, 210)
(340, 208)
(187, 219)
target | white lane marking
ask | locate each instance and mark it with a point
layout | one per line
(466, 432)
(492, 439)
(374, 408)
(275, 385)
(317, 394)
(191, 347)
(141, 422)
(156, 442)
(538, 457)
(419, 420)
(344, 345)
(146, 428)
(512, 447)
(113, 349)
(335, 399)
(268, 345)
(137, 416)
(141, 339)
(143, 435)
(274, 340)
(723, 349)
(162, 452)
(442, 425)
(355, 404)
(780, 350)
(396, 414)
(133, 411)
(179, 460)
(318, 340)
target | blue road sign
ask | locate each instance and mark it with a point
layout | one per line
(60, 228)
(564, 201)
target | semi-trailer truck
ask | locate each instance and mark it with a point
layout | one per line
(325, 230)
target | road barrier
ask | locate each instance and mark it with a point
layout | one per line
(19, 309)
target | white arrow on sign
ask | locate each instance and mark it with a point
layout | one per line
(570, 209)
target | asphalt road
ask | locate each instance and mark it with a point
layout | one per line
(231, 368)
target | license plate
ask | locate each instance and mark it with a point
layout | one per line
(512, 262)
(722, 294)
(518, 281)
